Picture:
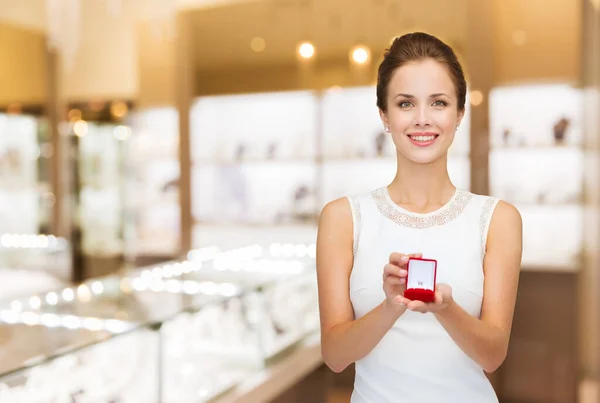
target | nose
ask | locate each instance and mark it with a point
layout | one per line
(422, 118)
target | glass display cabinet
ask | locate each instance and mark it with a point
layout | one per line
(101, 154)
(26, 197)
(153, 182)
(181, 331)
(253, 158)
(537, 163)
(81, 366)
(33, 263)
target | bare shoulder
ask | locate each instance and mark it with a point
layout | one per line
(337, 211)
(335, 231)
(506, 220)
(505, 236)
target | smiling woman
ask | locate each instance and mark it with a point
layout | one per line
(416, 350)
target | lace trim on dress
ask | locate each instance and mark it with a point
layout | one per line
(441, 216)
(356, 220)
(484, 223)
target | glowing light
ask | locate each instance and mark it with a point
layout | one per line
(476, 97)
(361, 54)
(80, 128)
(306, 50)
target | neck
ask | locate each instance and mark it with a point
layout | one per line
(421, 184)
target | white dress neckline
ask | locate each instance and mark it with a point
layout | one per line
(408, 212)
(441, 216)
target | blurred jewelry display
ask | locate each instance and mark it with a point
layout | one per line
(152, 194)
(206, 352)
(31, 264)
(292, 312)
(193, 356)
(91, 374)
(560, 129)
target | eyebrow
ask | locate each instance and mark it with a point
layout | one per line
(439, 94)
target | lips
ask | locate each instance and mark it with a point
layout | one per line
(423, 139)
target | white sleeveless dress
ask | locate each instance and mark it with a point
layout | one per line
(417, 361)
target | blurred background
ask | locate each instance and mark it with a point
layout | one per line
(163, 164)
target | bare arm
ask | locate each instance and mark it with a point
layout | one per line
(345, 340)
(486, 339)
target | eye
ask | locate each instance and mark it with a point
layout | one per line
(404, 104)
(440, 103)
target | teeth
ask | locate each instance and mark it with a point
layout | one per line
(423, 138)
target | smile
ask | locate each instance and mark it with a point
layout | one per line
(423, 139)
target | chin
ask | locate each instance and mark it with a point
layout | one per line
(423, 158)
(426, 155)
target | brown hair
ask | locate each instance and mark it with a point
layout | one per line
(415, 47)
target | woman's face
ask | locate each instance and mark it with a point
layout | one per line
(422, 114)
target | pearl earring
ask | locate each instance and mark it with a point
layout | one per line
(387, 129)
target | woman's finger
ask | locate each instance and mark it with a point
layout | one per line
(398, 258)
(392, 280)
(401, 259)
(417, 306)
(393, 270)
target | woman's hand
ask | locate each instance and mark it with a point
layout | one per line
(443, 299)
(394, 280)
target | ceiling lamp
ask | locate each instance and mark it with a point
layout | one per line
(306, 50)
(360, 54)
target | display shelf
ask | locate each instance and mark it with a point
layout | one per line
(287, 371)
(32, 263)
(536, 162)
(247, 193)
(551, 175)
(252, 162)
(196, 333)
(552, 235)
(256, 126)
(155, 135)
(20, 192)
(101, 195)
(153, 185)
(536, 115)
(235, 236)
(87, 372)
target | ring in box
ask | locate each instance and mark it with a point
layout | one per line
(420, 280)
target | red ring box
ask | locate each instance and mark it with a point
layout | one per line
(420, 280)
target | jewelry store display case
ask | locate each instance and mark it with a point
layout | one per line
(23, 186)
(153, 183)
(253, 158)
(31, 260)
(96, 140)
(182, 331)
(537, 164)
(33, 263)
